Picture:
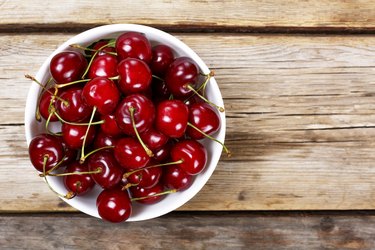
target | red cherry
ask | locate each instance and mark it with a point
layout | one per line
(104, 65)
(160, 91)
(181, 73)
(73, 135)
(45, 145)
(70, 154)
(175, 177)
(75, 109)
(134, 45)
(171, 118)
(130, 154)
(162, 154)
(193, 155)
(67, 66)
(134, 76)
(111, 173)
(114, 205)
(110, 126)
(44, 105)
(102, 93)
(162, 57)
(144, 114)
(153, 139)
(147, 177)
(79, 184)
(204, 117)
(140, 192)
(104, 140)
(98, 45)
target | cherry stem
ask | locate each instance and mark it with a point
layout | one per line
(71, 83)
(93, 152)
(77, 46)
(126, 175)
(68, 196)
(148, 151)
(47, 126)
(204, 84)
(97, 171)
(38, 116)
(129, 185)
(171, 191)
(157, 77)
(92, 59)
(211, 138)
(83, 157)
(53, 168)
(77, 123)
(221, 109)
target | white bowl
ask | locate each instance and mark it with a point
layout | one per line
(171, 202)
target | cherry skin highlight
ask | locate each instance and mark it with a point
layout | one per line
(67, 66)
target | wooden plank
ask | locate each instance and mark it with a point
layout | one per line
(197, 14)
(300, 122)
(190, 231)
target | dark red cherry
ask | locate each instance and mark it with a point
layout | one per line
(104, 140)
(147, 177)
(67, 66)
(70, 154)
(114, 205)
(162, 154)
(133, 45)
(45, 145)
(144, 114)
(134, 76)
(98, 45)
(44, 105)
(160, 91)
(175, 177)
(171, 118)
(193, 155)
(104, 65)
(182, 72)
(162, 57)
(111, 173)
(73, 135)
(130, 154)
(102, 93)
(110, 126)
(140, 192)
(153, 139)
(79, 184)
(205, 118)
(75, 109)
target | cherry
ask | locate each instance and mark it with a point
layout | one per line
(114, 205)
(162, 154)
(70, 154)
(45, 149)
(174, 177)
(193, 155)
(153, 139)
(103, 65)
(134, 45)
(204, 117)
(144, 114)
(79, 184)
(171, 118)
(44, 105)
(111, 173)
(150, 193)
(104, 140)
(160, 91)
(134, 76)
(73, 109)
(101, 93)
(130, 154)
(109, 125)
(67, 66)
(147, 177)
(162, 57)
(73, 135)
(181, 73)
(98, 45)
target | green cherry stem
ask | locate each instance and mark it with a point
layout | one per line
(97, 171)
(92, 59)
(211, 138)
(171, 191)
(83, 157)
(126, 175)
(77, 123)
(221, 109)
(77, 46)
(204, 84)
(63, 85)
(148, 151)
(38, 116)
(157, 77)
(93, 152)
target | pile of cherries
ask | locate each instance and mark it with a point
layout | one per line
(131, 116)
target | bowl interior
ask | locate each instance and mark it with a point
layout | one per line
(171, 202)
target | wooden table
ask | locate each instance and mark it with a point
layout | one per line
(298, 82)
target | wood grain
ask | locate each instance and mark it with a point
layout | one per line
(190, 231)
(192, 15)
(300, 122)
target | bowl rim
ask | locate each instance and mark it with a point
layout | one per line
(105, 30)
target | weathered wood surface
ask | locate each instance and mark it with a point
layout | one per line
(300, 122)
(190, 15)
(190, 231)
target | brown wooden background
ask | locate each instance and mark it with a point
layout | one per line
(297, 79)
